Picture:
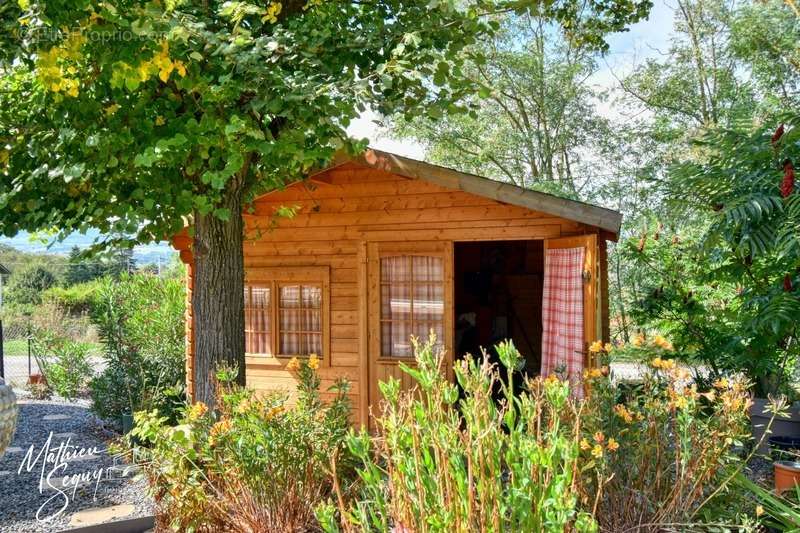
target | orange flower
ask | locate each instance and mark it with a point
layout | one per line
(599, 437)
(313, 362)
(596, 347)
(613, 445)
(293, 365)
(585, 444)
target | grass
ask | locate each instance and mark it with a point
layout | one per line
(15, 347)
(19, 348)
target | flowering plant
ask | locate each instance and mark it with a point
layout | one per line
(259, 463)
(659, 452)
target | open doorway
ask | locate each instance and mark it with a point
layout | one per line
(498, 295)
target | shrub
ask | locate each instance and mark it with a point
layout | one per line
(656, 455)
(259, 464)
(475, 464)
(140, 322)
(26, 284)
(77, 299)
(64, 363)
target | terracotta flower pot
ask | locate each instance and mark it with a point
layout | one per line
(788, 426)
(35, 379)
(787, 475)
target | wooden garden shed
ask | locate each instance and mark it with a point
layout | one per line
(382, 247)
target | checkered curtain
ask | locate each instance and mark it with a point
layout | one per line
(300, 309)
(257, 327)
(412, 302)
(562, 314)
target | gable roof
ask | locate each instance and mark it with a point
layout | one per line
(4, 271)
(592, 215)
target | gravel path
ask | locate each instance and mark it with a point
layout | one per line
(20, 498)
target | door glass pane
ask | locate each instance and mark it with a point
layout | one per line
(396, 268)
(396, 339)
(428, 301)
(396, 302)
(427, 268)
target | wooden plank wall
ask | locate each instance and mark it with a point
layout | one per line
(341, 210)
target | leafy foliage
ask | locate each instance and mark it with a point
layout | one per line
(663, 452)
(27, 284)
(64, 363)
(753, 239)
(472, 464)
(260, 463)
(140, 322)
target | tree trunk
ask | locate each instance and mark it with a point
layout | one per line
(218, 295)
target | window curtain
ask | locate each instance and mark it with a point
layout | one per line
(562, 316)
(301, 320)
(412, 302)
(257, 327)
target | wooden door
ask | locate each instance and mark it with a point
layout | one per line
(410, 288)
(591, 274)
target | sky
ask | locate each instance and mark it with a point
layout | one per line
(646, 39)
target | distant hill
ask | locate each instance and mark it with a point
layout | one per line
(22, 249)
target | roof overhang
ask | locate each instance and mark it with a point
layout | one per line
(592, 215)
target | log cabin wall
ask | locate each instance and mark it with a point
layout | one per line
(340, 211)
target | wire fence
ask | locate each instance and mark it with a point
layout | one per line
(17, 363)
(20, 355)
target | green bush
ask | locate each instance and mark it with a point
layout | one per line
(64, 363)
(260, 463)
(476, 464)
(140, 320)
(77, 299)
(26, 284)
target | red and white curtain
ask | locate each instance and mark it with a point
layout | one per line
(562, 315)
(412, 302)
(300, 308)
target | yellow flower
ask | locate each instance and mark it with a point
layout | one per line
(599, 437)
(596, 347)
(759, 510)
(313, 362)
(608, 347)
(160, 120)
(197, 410)
(271, 15)
(638, 340)
(721, 383)
(293, 365)
(623, 413)
(613, 445)
(552, 379)
(585, 444)
(656, 363)
(597, 451)
(110, 110)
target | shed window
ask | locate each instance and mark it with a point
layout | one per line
(257, 320)
(300, 310)
(412, 301)
(285, 311)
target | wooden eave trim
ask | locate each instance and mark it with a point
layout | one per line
(591, 215)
